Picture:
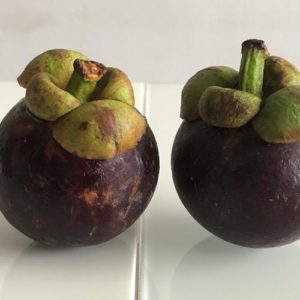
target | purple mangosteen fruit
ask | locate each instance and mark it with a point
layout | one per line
(79, 164)
(236, 156)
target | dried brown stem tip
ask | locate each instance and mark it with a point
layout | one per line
(84, 78)
(254, 43)
(89, 70)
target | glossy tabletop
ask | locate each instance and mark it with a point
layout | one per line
(165, 255)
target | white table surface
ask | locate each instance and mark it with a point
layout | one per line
(166, 255)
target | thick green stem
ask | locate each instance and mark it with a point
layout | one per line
(84, 78)
(254, 53)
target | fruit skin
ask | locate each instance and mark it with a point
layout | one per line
(59, 199)
(240, 188)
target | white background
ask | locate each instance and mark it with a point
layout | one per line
(153, 41)
(159, 42)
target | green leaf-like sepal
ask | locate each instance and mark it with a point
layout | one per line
(115, 85)
(192, 91)
(100, 129)
(279, 119)
(229, 108)
(46, 100)
(57, 62)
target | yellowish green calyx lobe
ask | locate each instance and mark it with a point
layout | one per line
(46, 100)
(100, 129)
(192, 91)
(57, 62)
(229, 108)
(279, 119)
(279, 73)
(115, 85)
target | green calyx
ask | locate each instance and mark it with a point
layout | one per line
(279, 118)
(57, 62)
(90, 106)
(229, 108)
(46, 100)
(214, 90)
(266, 91)
(278, 74)
(115, 85)
(213, 76)
(100, 129)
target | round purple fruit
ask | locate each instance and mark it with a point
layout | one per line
(236, 165)
(79, 164)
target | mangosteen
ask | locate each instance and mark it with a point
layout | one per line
(79, 164)
(236, 156)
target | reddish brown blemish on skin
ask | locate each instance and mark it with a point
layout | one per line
(42, 181)
(49, 151)
(295, 91)
(73, 213)
(89, 196)
(23, 130)
(107, 121)
(107, 196)
(83, 125)
(135, 187)
(52, 151)
(59, 52)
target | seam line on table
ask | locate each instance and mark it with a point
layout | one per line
(138, 262)
(139, 242)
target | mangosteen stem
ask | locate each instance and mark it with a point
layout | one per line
(254, 53)
(84, 78)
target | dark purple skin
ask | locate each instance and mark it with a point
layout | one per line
(59, 199)
(240, 188)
